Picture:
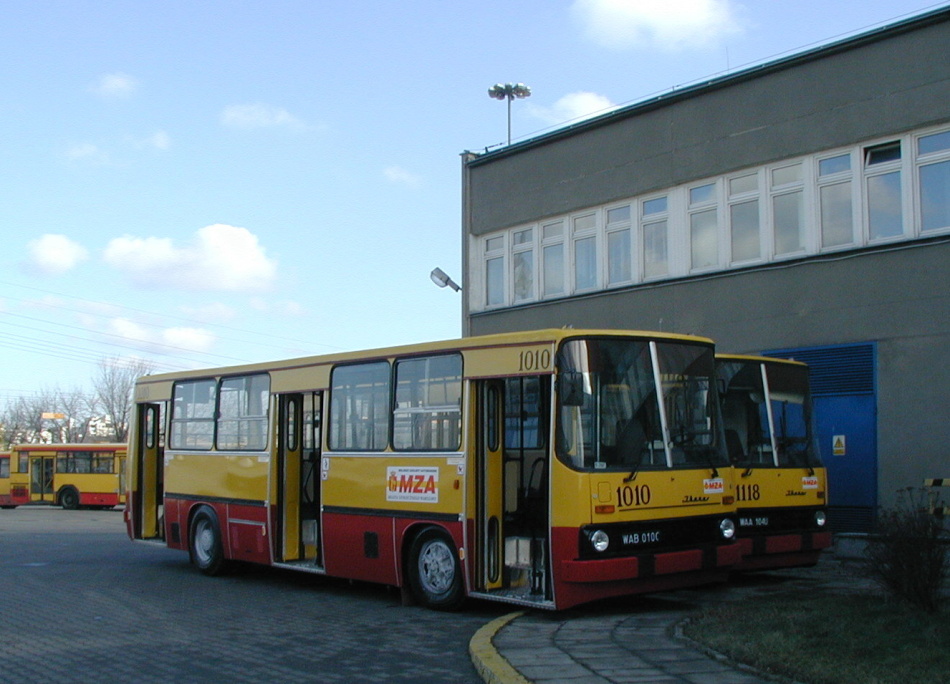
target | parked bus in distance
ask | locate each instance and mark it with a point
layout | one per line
(14, 480)
(6, 499)
(545, 468)
(781, 485)
(69, 475)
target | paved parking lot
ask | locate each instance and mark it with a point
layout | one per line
(82, 603)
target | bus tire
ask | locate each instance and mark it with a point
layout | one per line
(434, 571)
(69, 499)
(204, 542)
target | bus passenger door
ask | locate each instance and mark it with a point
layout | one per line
(148, 495)
(489, 478)
(42, 469)
(298, 488)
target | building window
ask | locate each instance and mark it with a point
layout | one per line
(495, 271)
(522, 264)
(882, 165)
(654, 228)
(552, 254)
(788, 210)
(585, 252)
(934, 178)
(619, 254)
(703, 227)
(744, 230)
(833, 200)
(834, 189)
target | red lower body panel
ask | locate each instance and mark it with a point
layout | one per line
(580, 581)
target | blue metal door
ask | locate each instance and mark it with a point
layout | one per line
(845, 403)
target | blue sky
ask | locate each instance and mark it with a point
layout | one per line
(208, 183)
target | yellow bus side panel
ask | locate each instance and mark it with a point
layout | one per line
(230, 476)
(432, 484)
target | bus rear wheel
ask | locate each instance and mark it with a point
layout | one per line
(204, 542)
(434, 571)
(69, 499)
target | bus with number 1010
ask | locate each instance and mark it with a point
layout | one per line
(546, 468)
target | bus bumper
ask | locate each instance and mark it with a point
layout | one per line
(638, 567)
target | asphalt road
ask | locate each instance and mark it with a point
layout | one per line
(82, 603)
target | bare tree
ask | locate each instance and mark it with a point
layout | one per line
(113, 385)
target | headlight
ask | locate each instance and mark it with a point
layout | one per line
(600, 541)
(820, 518)
(727, 528)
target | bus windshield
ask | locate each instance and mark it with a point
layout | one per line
(770, 403)
(630, 404)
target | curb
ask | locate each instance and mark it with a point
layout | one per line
(490, 664)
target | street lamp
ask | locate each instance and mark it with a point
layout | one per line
(509, 91)
(442, 280)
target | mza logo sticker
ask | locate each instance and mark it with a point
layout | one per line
(809, 482)
(713, 486)
(412, 484)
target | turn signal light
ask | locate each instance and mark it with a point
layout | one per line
(821, 495)
(605, 509)
(728, 500)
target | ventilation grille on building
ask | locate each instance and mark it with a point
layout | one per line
(847, 369)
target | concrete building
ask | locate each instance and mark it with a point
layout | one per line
(799, 208)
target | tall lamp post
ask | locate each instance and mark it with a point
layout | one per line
(509, 91)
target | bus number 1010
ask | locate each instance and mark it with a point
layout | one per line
(638, 495)
(534, 359)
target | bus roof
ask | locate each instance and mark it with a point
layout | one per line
(544, 336)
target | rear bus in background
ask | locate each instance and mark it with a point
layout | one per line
(781, 485)
(545, 468)
(6, 497)
(68, 475)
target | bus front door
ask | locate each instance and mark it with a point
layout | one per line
(298, 479)
(148, 495)
(42, 469)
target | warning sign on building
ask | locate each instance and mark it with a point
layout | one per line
(838, 445)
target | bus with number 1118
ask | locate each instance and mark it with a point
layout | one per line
(545, 468)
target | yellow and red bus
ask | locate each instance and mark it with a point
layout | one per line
(68, 475)
(781, 485)
(6, 497)
(544, 468)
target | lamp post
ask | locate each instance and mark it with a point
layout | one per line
(509, 91)
(442, 280)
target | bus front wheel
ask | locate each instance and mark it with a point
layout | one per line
(434, 571)
(69, 499)
(204, 542)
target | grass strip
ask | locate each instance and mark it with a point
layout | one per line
(831, 639)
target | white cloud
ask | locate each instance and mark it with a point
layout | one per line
(87, 152)
(662, 24)
(400, 176)
(287, 307)
(188, 339)
(192, 339)
(55, 254)
(572, 107)
(252, 116)
(159, 140)
(115, 85)
(219, 257)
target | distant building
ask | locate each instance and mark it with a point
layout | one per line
(799, 208)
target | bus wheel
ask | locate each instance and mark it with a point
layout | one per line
(435, 575)
(69, 499)
(204, 542)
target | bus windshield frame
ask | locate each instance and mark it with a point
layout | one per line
(627, 405)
